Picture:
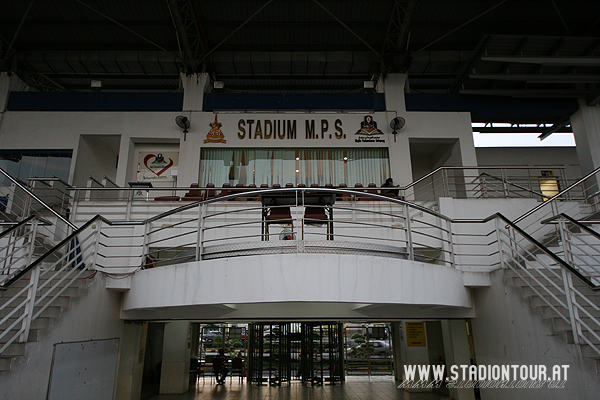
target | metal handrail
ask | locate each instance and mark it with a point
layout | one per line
(254, 192)
(91, 178)
(110, 181)
(544, 249)
(551, 199)
(53, 179)
(587, 229)
(17, 226)
(32, 195)
(510, 183)
(63, 242)
(479, 168)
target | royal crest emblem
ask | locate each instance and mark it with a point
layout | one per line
(368, 127)
(215, 135)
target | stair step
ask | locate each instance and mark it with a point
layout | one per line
(14, 350)
(32, 337)
(11, 292)
(38, 323)
(5, 363)
(588, 352)
(50, 312)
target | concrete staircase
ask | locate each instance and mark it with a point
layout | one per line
(544, 302)
(17, 349)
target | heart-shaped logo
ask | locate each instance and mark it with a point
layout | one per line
(159, 165)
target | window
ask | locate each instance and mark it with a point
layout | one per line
(296, 166)
(23, 164)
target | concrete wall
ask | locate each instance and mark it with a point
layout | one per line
(62, 130)
(508, 331)
(94, 315)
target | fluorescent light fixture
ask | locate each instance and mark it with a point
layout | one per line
(96, 85)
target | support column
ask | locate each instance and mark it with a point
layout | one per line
(177, 351)
(397, 337)
(400, 166)
(414, 352)
(190, 144)
(131, 361)
(194, 87)
(9, 82)
(586, 128)
(457, 352)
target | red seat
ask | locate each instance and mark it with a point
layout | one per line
(344, 196)
(210, 191)
(166, 198)
(226, 190)
(315, 215)
(194, 193)
(279, 215)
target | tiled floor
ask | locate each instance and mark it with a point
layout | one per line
(355, 388)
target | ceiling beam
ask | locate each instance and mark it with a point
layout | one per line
(348, 28)
(543, 93)
(127, 29)
(576, 61)
(395, 44)
(481, 48)
(463, 25)
(7, 54)
(182, 34)
(541, 78)
(235, 30)
(556, 127)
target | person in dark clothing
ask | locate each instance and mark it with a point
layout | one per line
(389, 183)
(219, 368)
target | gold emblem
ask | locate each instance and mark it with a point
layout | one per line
(215, 135)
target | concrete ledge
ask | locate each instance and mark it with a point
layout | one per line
(476, 279)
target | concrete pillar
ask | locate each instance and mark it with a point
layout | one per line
(177, 351)
(394, 85)
(457, 352)
(131, 361)
(400, 166)
(397, 337)
(194, 87)
(9, 82)
(586, 128)
(414, 350)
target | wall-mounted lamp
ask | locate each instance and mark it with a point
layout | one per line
(96, 85)
(218, 85)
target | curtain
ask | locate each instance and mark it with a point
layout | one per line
(295, 166)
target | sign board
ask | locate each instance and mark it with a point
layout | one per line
(156, 166)
(415, 334)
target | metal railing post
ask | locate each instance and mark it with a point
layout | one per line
(200, 233)
(568, 281)
(504, 184)
(451, 243)
(409, 242)
(499, 241)
(445, 183)
(97, 244)
(29, 306)
(145, 244)
(33, 282)
(571, 301)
